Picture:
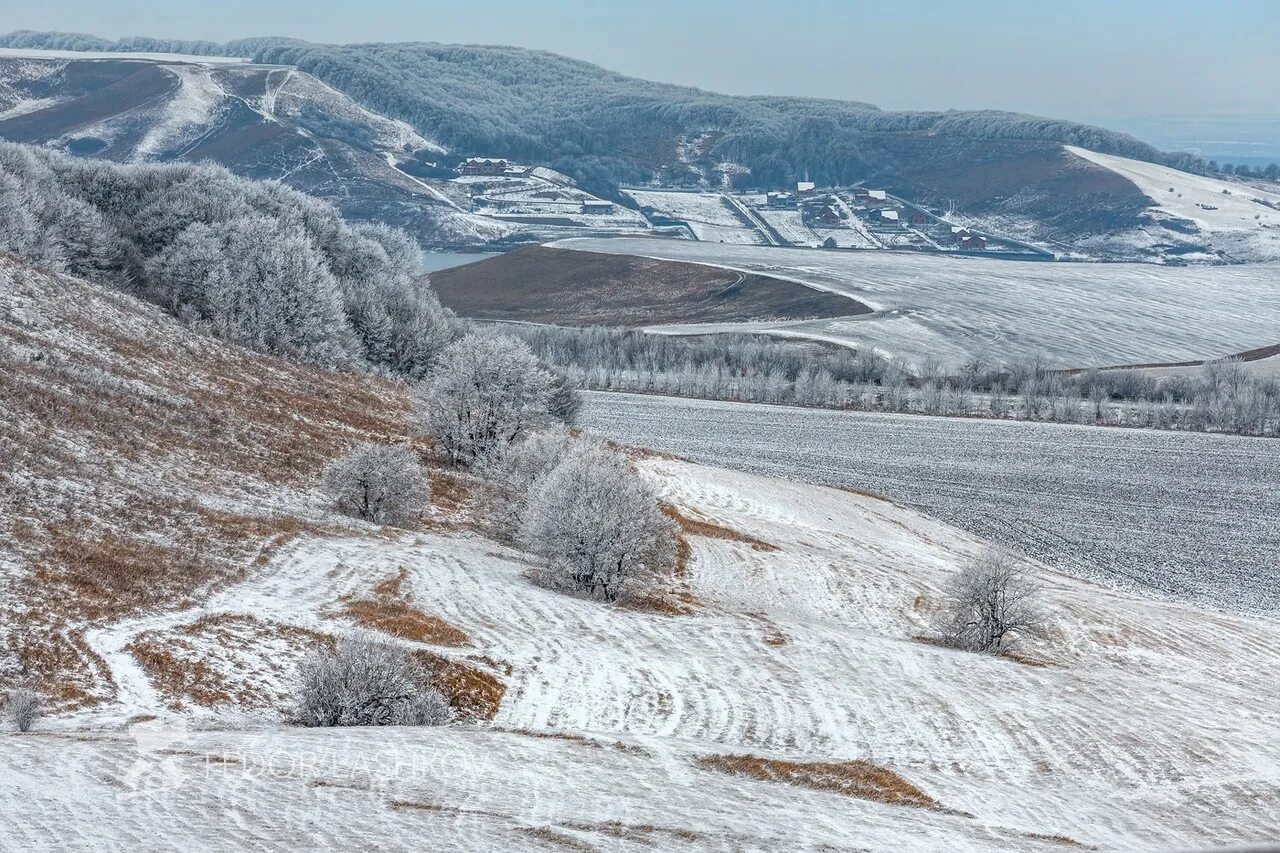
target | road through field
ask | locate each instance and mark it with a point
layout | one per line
(1186, 515)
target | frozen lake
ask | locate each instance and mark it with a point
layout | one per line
(1186, 515)
(1075, 314)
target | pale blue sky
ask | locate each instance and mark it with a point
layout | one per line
(1082, 58)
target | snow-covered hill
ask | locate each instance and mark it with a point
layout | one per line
(1135, 724)
(1197, 217)
(262, 121)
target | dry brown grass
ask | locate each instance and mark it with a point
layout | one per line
(176, 675)
(662, 602)
(180, 663)
(645, 833)
(866, 493)
(452, 493)
(709, 529)
(473, 693)
(573, 737)
(1015, 655)
(857, 778)
(560, 839)
(391, 610)
(401, 619)
(1062, 840)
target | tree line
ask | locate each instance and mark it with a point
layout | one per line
(1222, 396)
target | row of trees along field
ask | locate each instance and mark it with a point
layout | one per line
(1222, 396)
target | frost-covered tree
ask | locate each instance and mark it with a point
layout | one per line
(378, 483)
(259, 284)
(598, 524)
(363, 683)
(485, 392)
(990, 603)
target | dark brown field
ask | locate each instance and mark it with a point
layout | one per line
(572, 288)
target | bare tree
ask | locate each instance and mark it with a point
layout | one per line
(23, 708)
(378, 483)
(362, 683)
(598, 524)
(991, 602)
(486, 392)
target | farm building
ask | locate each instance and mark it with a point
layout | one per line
(959, 234)
(780, 200)
(596, 205)
(876, 198)
(887, 217)
(974, 243)
(829, 215)
(483, 166)
(804, 188)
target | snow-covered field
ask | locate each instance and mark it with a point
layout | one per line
(1186, 515)
(790, 225)
(690, 206)
(1243, 220)
(948, 307)
(1145, 730)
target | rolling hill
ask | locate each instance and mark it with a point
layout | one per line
(367, 126)
(167, 558)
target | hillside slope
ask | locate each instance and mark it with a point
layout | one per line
(604, 129)
(1134, 724)
(1194, 216)
(261, 121)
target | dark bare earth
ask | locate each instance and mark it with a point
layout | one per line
(572, 288)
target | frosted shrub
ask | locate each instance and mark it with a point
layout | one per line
(598, 525)
(378, 483)
(485, 392)
(362, 683)
(23, 708)
(990, 603)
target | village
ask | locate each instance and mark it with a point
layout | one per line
(536, 202)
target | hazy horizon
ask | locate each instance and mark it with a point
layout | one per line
(1150, 59)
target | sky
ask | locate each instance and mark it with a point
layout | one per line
(1080, 59)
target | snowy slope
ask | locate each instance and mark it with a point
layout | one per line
(1144, 725)
(1240, 220)
(806, 652)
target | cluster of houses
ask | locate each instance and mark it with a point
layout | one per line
(496, 167)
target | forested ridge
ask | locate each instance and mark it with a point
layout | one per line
(604, 128)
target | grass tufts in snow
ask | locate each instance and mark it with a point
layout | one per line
(709, 529)
(857, 778)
